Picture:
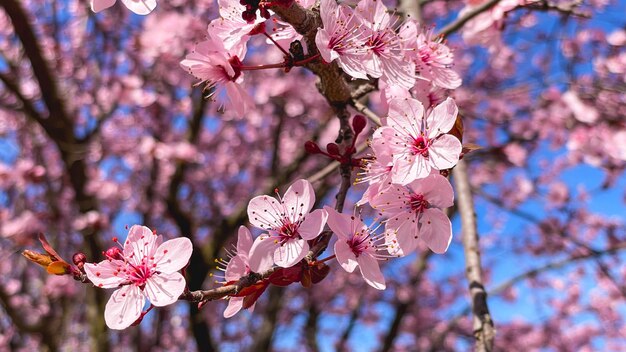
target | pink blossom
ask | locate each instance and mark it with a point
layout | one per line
(239, 266)
(418, 142)
(357, 246)
(147, 267)
(231, 28)
(340, 38)
(219, 68)
(414, 211)
(377, 171)
(582, 112)
(385, 55)
(433, 59)
(288, 223)
(140, 7)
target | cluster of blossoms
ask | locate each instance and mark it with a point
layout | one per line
(410, 150)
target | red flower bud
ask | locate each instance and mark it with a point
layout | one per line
(79, 259)
(333, 149)
(311, 147)
(358, 124)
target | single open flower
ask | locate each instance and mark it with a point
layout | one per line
(147, 267)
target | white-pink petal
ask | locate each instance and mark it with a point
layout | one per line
(340, 224)
(262, 253)
(299, 199)
(234, 305)
(140, 7)
(313, 224)
(173, 255)
(244, 242)
(235, 269)
(442, 118)
(290, 253)
(345, 256)
(436, 230)
(99, 5)
(444, 152)
(370, 270)
(265, 212)
(124, 307)
(104, 274)
(164, 289)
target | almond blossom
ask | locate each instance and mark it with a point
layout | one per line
(414, 211)
(147, 267)
(418, 142)
(357, 246)
(231, 28)
(140, 7)
(239, 266)
(219, 68)
(289, 222)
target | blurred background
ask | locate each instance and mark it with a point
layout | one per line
(100, 129)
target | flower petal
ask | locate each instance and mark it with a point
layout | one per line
(234, 306)
(436, 230)
(290, 253)
(340, 224)
(106, 273)
(141, 242)
(140, 7)
(442, 118)
(173, 255)
(444, 152)
(235, 269)
(313, 224)
(404, 225)
(370, 270)
(299, 199)
(265, 212)
(262, 253)
(345, 256)
(244, 242)
(124, 307)
(99, 5)
(164, 289)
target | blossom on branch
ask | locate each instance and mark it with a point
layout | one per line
(357, 246)
(219, 68)
(146, 267)
(419, 142)
(289, 222)
(414, 211)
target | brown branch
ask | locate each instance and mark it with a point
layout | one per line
(459, 22)
(484, 330)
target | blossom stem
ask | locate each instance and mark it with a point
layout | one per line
(306, 60)
(277, 45)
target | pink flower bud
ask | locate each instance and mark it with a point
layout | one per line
(312, 148)
(333, 149)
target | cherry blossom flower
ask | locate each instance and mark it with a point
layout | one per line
(385, 54)
(340, 38)
(219, 68)
(418, 142)
(147, 267)
(433, 59)
(231, 28)
(140, 7)
(377, 171)
(288, 223)
(239, 266)
(357, 245)
(414, 211)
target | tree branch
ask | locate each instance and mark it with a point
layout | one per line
(484, 330)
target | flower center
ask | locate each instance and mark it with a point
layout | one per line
(418, 203)
(288, 231)
(359, 243)
(139, 274)
(420, 146)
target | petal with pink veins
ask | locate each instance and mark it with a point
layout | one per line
(262, 253)
(105, 274)
(313, 224)
(163, 289)
(445, 151)
(173, 255)
(234, 305)
(340, 224)
(290, 253)
(124, 307)
(370, 270)
(345, 256)
(436, 230)
(299, 199)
